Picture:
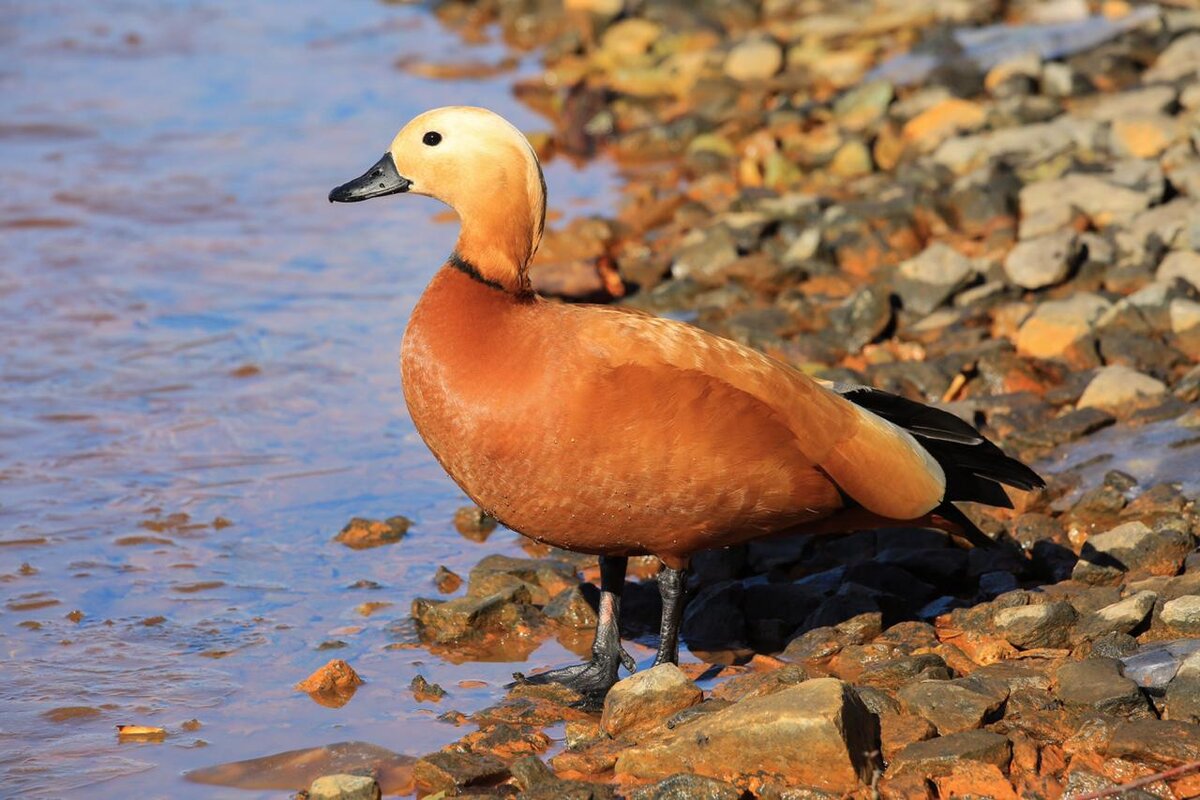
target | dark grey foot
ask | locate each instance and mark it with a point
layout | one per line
(592, 679)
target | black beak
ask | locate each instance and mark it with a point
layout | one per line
(379, 180)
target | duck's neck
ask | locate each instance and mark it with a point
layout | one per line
(501, 231)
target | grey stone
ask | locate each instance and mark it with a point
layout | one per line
(1109, 107)
(1098, 683)
(1182, 613)
(1120, 617)
(1181, 59)
(1041, 625)
(931, 277)
(939, 756)
(1044, 261)
(1131, 547)
(704, 260)
(954, 706)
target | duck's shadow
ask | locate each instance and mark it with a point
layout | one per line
(758, 597)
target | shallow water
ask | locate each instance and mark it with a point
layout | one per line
(198, 368)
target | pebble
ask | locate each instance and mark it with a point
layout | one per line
(931, 277)
(1057, 325)
(754, 59)
(361, 534)
(1182, 613)
(1116, 386)
(1044, 261)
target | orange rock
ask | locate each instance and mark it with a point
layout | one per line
(936, 124)
(1144, 135)
(974, 779)
(889, 147)
(332, 685)
(896, 731)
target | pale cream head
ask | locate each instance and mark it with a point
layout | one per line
(476, 162)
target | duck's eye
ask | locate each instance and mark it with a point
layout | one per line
(433, 138)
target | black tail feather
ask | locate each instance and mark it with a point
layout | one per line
(974, 467)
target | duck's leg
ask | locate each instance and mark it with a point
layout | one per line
(670, 587)
(595, 677)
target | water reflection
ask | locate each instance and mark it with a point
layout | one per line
(198, 369)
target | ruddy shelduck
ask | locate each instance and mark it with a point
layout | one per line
(603, 430)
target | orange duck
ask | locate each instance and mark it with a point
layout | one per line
(603, 430)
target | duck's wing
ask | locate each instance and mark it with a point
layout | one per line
(876, 463)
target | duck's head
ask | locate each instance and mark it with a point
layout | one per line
(476, 162)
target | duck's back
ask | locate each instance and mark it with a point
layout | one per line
(603, 431)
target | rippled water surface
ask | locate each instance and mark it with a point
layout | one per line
(198, 372)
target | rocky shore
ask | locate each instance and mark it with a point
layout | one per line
(992, 206)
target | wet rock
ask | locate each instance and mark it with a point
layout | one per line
(361, 533)
(1041, 625)
(647, 698)
(449, 620)
(449, 770)
(332, 685)
(572, 608)
(344, 787)
(930, 278)
(1132, 547)
(953, 706)
(939, 756)
(1117, 386)
(1044, 261)
(446, 580)
(1100, 684)
(532, 580)
(1058, 325)
(424, 690)
(1182, 614)
(687, 787)
(293, 768)
(1120, 617)
(759, 736)
(754, 59)
(473, 523)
